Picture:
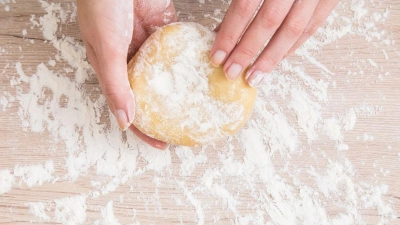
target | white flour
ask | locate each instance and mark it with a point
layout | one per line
(33, 175)
(70, 210)
(107, 214)
(6, 181)
(39, 210)
(238, 180)
(6, 4)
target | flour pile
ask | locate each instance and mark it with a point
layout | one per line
(235, 180)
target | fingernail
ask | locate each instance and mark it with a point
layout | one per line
(218, 58)
(255, 78)
(122, 119)
(161, 146)
(233, 71)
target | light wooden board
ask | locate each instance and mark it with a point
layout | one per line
(18, 147)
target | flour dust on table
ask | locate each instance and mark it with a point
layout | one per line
(236, 179)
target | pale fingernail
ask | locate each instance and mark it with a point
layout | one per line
(122, 119)
(218, 58)
(233, 71)
(161, 146)
(255, 78)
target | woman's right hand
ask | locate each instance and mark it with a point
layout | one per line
(112, 31)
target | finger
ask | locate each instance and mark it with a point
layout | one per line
(167, 15)
(109, 35)
(149, 140)
(113, 77)
(91, 56)
(321, 13)
(138, 39)
(146, 21)
(284, 38)
(238, 16)
(217, 28)
(264, 25)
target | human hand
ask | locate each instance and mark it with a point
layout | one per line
(286, 23)
(112, 31)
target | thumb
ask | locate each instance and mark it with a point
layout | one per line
(115, 86)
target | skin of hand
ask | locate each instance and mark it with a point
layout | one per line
(276, 28)
(112, 31)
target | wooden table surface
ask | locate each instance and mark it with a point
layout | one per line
(363, 73)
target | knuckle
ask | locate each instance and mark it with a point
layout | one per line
(247, 53)
(295, 28)
(111, 91)
(271, 18)
(270, 63)
(244, 7)
(113, 48)
(229, 39)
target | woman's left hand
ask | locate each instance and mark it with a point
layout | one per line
(281, 26)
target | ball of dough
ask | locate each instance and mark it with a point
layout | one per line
(181, 98)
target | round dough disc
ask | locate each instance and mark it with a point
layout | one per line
(181, 98)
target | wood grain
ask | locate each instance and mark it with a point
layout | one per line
(368, 157)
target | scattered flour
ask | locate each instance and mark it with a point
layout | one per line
(38, 209)
(6, 100)
(33, 175)
(333, 129)
(282, 127)
(70, 210)
(189, 160)
(194, 202)
(308, 112)
(367, 137)
(107, 214)
(6, 3)
(350, 119)
(6, 181)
